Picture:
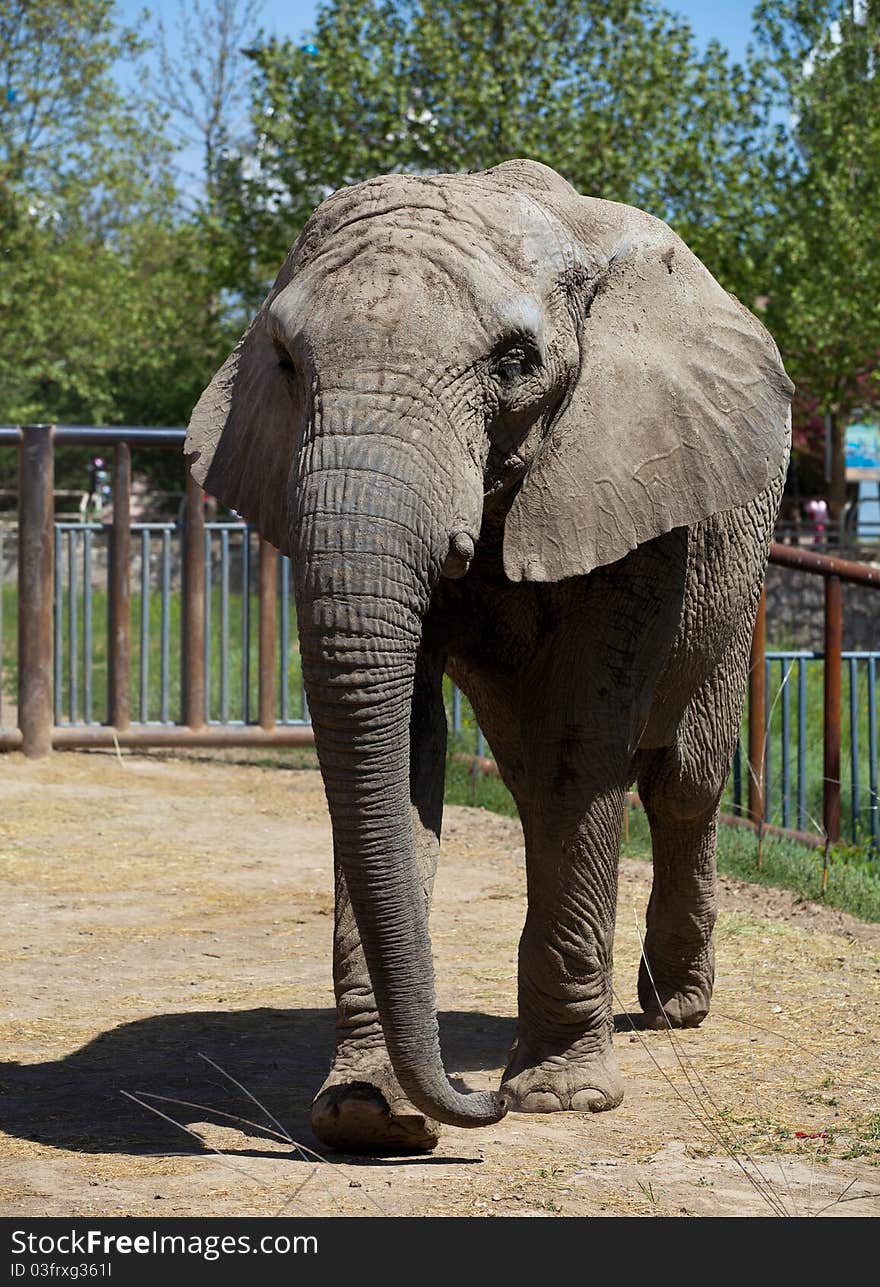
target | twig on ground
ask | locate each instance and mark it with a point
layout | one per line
(701, 1092)
(302, 1149)
(180, 1126)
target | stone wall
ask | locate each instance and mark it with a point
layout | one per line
(796, 617)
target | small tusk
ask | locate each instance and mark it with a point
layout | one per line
(458, 560)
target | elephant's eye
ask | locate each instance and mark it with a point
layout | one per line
(284, 359)
(510, 366)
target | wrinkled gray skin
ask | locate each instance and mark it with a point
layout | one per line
(523, 437)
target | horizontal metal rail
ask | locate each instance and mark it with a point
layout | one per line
(97, 435)
(81, 737)
(826, 565)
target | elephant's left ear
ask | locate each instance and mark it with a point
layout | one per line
(680, 409)
(241, 435)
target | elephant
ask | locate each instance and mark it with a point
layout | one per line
(522, 437)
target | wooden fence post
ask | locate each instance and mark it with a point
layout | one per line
(831, 741)
(268, 617)
(192, 625)
(119, 616)
(36, 557)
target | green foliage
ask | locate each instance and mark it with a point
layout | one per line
(771, 171)
(119, 295)
(822, 286)
(67, 131)
(105, 292)
(95, 331)
(865, 1139)
(617, 97)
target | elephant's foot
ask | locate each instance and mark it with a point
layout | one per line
(676, 998)
(364, 1110)
(581, 1082)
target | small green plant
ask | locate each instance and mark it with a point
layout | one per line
(866, 1140)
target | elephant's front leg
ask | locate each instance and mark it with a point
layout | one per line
(585, 698)
(361, 1107)
(562, 1056)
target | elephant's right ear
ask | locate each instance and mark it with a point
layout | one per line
(241, 435)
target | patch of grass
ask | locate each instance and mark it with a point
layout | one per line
(479, 790)
(853, 878)
(865, 1141)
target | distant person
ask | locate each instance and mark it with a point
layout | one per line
(91, 507)
(816, 510)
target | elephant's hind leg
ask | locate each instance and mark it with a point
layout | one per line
(361, 1106)
(680, 787)
(677, 969)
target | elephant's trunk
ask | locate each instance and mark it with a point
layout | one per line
(367, 544)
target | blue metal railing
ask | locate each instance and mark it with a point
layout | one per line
(230, 613)
(793, 745)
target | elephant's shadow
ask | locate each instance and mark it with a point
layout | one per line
(281, 1056)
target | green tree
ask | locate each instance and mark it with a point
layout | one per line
(203, 84)
(202, 81)
(612, 93)
(71, 141)
(104, 286)
(822, 288)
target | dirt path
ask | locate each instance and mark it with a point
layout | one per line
(158, 910)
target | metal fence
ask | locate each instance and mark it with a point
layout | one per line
(231, 612)
(793, 767)
(181, 633)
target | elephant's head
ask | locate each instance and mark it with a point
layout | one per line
(431, 342)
